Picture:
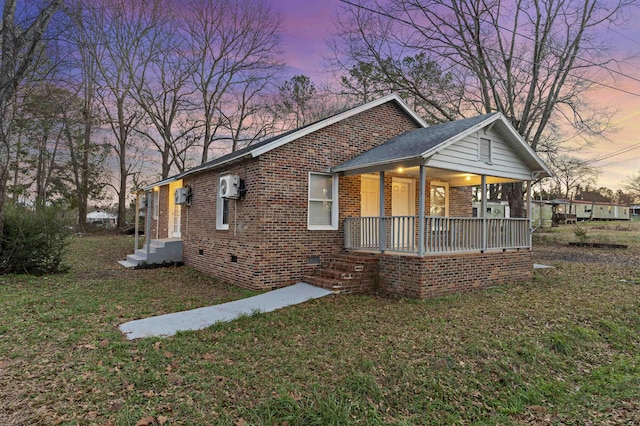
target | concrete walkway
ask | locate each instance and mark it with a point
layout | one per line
(539, 266)
(196, 319)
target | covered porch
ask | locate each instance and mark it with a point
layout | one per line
(414, 208)
(416, 190)
(444, 222)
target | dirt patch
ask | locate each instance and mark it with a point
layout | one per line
(550, 253)
(600, 245)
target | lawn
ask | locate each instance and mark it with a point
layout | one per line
(562, 349)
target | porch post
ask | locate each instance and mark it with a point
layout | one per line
(382, 237)
(421, 198)
(483, 180)
(136, 238)
(147, 222)
(530, 212)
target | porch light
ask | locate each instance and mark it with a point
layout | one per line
(468, 178)
(400, 169)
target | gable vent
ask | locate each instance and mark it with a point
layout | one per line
(484, 150)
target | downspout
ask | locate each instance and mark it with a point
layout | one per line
(158, 213)
(382, 237)
(423, 176)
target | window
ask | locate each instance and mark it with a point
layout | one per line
(439, 199)
(484, 150)
(222, 210)
(323, 201)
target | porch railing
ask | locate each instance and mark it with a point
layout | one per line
(441, 234)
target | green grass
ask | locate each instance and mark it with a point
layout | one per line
(564, 348)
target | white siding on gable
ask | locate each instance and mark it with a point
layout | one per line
(464, 156)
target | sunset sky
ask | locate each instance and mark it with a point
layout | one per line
(307, 24)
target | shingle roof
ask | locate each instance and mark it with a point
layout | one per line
(413, 143)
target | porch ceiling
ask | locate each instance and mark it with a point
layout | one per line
(454, 178)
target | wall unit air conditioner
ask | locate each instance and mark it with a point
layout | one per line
(180, 196)
(230, 186)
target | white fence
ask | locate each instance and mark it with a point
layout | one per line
(441, 234)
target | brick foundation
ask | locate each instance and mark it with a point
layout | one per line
(433, 276)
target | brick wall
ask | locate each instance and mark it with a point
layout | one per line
(427, 277)
(460, 201)
(268, 234)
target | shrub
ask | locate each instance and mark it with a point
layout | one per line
(33, 241)
(580, 232)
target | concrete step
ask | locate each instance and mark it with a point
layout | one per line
(143, 251)
(136, 258)
(160, 251)
(127, 263)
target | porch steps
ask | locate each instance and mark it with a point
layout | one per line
(347, 273)
(160, 251)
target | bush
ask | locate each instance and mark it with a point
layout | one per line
(33, 241)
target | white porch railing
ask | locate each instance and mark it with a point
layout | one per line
(441, 234)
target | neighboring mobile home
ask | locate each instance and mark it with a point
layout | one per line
(369, 199)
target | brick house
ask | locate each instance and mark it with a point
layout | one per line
(369, 199)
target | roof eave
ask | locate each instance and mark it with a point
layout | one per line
(163, 182)
(379, 165)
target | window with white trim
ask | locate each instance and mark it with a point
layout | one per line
(439, 199)
(323, 201)
(222, 209)
(485, 153)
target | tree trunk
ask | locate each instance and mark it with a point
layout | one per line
(515, 196)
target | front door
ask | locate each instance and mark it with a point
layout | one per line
(403, 208)
(369, 208)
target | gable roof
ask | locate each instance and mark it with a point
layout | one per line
(412, 144)
(276, 141)
(418, 146)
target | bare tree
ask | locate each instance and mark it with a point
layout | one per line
(113, 33)
(85, 157)
(20, 43)
(247, 115)
(571, 173)
(532, 60)
(233, 42)
(162, 77)
(83, 170)
(632, 185)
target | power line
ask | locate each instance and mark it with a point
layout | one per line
(625, 36)
(608, 155)
(404, 21)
